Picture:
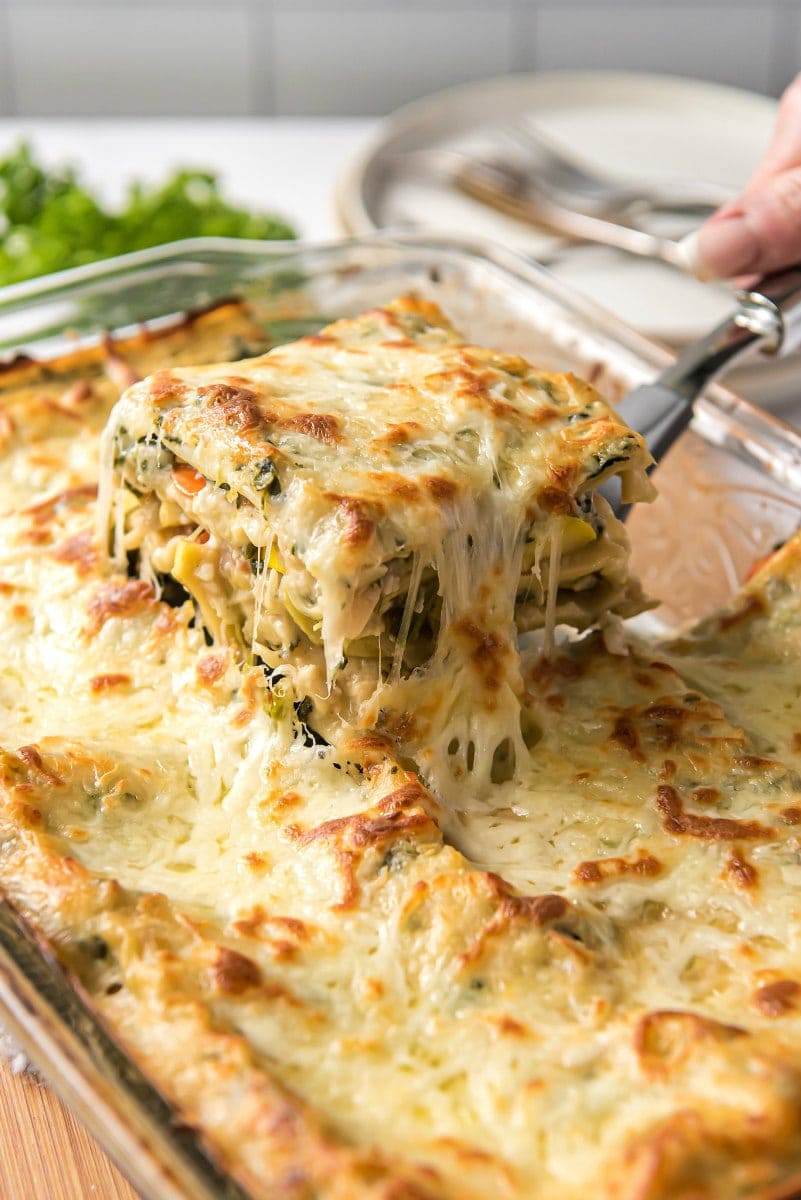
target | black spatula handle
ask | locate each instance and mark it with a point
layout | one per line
(768, 319)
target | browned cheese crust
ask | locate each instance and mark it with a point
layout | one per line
(585, 983)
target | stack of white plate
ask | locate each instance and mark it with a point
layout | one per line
(647, 128)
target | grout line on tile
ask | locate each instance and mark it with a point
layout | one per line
(523, 37)
(261, 75)
(8, 105)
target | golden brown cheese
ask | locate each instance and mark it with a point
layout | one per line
(587, 983)
(43, 399)
(51, 411)
(376, 498)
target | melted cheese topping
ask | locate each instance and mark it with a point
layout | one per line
(404, 491)
(586, 982)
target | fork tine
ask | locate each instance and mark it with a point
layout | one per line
(566, 172)
(546, 150)
(522, 136)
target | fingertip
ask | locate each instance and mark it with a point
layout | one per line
(723, 249)
(690, 256)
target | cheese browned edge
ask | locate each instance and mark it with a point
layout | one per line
(347, 880)
(379, 499)
(591, 1012)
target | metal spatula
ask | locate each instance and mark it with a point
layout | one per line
(767, 319)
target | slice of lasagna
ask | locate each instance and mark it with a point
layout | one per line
(588, 984)
(372, 498)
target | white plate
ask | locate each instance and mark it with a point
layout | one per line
(646, 127)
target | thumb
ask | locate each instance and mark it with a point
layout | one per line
(784, 150)
(758, 233)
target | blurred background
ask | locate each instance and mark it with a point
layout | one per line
(360, 57)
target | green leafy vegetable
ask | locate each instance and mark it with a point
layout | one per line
(50, 220)
(266, 478)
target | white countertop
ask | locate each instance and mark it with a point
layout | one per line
(289, 165)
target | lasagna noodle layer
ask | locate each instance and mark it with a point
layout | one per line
(376, 498)
(312, 958)
(588, 983)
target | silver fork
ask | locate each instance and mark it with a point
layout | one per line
(574, 184)
(501, 185)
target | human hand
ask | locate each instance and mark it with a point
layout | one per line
(760, 231)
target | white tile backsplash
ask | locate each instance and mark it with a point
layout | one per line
(115, 60)
(786, 45)
(6, 96)
(732, 45)
(348, 61)
(241, 57)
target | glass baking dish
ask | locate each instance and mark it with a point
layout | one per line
(729, 490)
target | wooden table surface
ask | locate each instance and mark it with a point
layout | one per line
(45, 1154)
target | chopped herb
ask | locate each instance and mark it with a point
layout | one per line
(618, 452)
(607, 463)
(266, 478)
(131, 800)
(50, 219)
(172, 592)
(545, 385)
(93, 946)
(398, 856)
(251, 553)
(570, 932)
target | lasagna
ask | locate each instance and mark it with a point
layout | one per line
(374, 499)
(586, 980)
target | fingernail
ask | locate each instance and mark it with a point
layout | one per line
(690, 254)
(724, 248)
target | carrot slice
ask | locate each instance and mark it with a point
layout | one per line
(187, 479)
(759, 563)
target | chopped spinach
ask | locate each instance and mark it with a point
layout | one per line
(266, 478)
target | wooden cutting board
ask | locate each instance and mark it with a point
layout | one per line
(45, 1154)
